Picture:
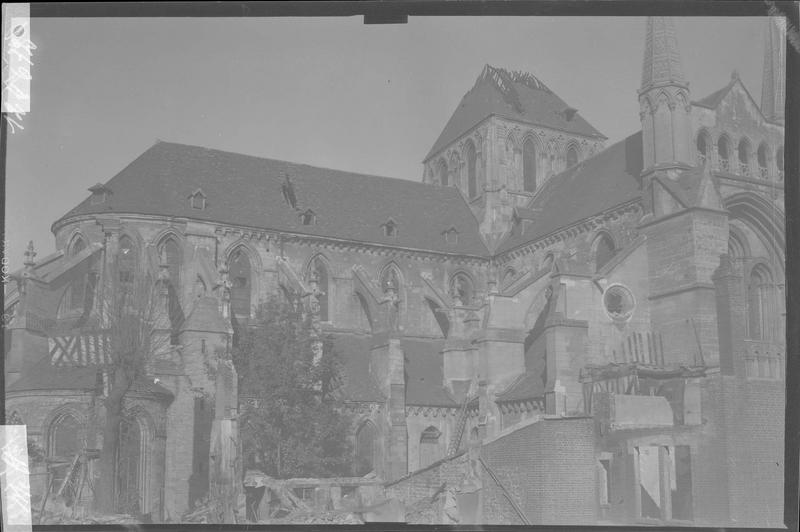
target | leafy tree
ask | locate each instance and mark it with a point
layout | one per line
(299, 426)
(131, 304)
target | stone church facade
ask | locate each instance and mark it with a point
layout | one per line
(559, 330)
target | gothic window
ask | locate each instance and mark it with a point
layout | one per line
(759, 304)
(604, 251)
(508, 276)
(390, 279)
(239, 272)
(779, 162)
(461, 289)
(572, 157)
(321, 271)
(128, 462)
(761, 155)
(170, 253)
(441, 171)
(429, 447)
(724, 152)
(472, 177)
(126, 264)
(702, 147)
(529, 166)
(365, 449)
(77, 290)
(744, 157)
(65, 443)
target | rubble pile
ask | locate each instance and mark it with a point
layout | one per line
(59, 518)
(317, 518)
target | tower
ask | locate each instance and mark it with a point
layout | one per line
(685, 225)
(773, 86)
(664, 99)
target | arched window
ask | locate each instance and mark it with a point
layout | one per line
(508, 276)
(170, 253)
(779, 162)
(461, 289)
(441, 171)
(65, 443)
(604, 251)
(129, 456)
(529, 166)
(759, 303)
(365, 449)
(76, 296)
(472, 177)
(702, 147)
(744, 157)
(319, 269)
(390, 279)
(572, 157)
(429, 447)
(239, 273)
(761, 155)
(724, 152)
(126, 264)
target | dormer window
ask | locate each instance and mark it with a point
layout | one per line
(308, 217)
(390, 228)
(197, 200)
(100, 193)
(450, 235)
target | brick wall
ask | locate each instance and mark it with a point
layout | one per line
(549, 466)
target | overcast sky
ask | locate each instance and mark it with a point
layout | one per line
(327, 92)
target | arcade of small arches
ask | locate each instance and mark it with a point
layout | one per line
(740, 158)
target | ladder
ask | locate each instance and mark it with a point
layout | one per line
(463, 414)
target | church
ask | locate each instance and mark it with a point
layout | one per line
(547, 329)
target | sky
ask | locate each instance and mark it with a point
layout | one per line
(329, 92)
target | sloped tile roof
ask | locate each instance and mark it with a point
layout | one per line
(248, 191)
(529, 385)
(511, 95)
(424, 370)
(44, 376)
(713, 100)
(354, 352)
(597, 184)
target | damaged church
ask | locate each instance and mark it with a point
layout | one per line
(546, 329)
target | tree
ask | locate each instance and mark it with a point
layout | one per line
(132, 305)
(299, 424)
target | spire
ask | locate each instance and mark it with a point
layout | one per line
(773, 87)
(664, 99)
(662, 61)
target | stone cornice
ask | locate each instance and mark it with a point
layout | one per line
(249, 232)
